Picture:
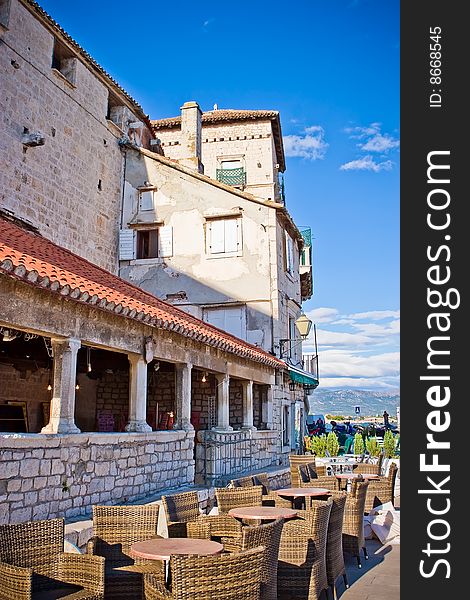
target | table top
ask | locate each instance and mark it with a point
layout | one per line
(163, 548)
(262, 512)
(356, 475)
(303, 491)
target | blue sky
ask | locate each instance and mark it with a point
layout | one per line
(331, 67)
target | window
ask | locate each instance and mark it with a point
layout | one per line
(232, 319)
(231, 172)
(64, 61)
(146, 200)
(224, 237)
(292, 337)
(289, 253)
(285, 424)
(147, 243)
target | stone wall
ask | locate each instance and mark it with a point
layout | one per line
(70, 187)
(44, 477)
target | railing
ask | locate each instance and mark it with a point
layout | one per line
(310, 364)
(235, 177)
(222, 456)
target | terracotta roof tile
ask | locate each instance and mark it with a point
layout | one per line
(32, 258)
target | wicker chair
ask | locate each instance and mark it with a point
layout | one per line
(228, 498)
(367, 468)
(269, 537)
(225, 577)
(334, 542)
(353, 523)
(294, 461)
(179, 510)
(325, 481)
(381, 490)
(33, 564)
(302, 554)
(242, 482)
(115, 529)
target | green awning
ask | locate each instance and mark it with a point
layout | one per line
(303, 378)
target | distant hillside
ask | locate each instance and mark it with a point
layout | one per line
(342, 402)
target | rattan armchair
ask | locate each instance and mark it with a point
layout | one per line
(228, 498)
(334, 542)
(115, 529)
(225, 577)
(353, 523)
(269, 537)
(33, 564)
(325, 481)
(302, 554)
(242, 482)
(294, 461)
(180, 509)
(381, 490)
(367, 468)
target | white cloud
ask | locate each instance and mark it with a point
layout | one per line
(322, 315)
(359, 350)
(374, 315)
(380, 143)
(311, 144)
(367, 163)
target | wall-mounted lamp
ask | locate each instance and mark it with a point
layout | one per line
(204, 378)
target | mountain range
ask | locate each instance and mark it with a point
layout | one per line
(343, 402)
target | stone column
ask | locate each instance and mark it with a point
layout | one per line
(62, 419)
(267, 408)
(223, 406)
(183, 397)
(248, 405)
(137, 394)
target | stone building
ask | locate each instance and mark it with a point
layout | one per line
(102, 384)
(218, 240)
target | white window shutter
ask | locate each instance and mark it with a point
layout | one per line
(217, 237)
(126, 244)
(231, 235)
(235, 322)
(165, 241)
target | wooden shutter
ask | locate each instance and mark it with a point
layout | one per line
(165, 241)
(217, 236)
(146, 200)
(231, 235)
(126, 244)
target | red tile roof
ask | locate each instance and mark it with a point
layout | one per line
(37, 261)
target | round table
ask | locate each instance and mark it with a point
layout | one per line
(163, 548)
(263, 513)
(303, 492)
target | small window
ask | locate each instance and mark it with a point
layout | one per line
(224, 237)
(5, 12)
(289, 253)
(147, 243)
(285, 425)
(146, 200)
(154, 243)
(232, 320)
(64, 60)
(231, 172)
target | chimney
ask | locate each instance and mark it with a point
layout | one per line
(191, 126)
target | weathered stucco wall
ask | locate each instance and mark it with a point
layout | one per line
(43, 477)
(183, 202)
(70, 188)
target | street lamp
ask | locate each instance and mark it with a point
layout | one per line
(304, 325)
